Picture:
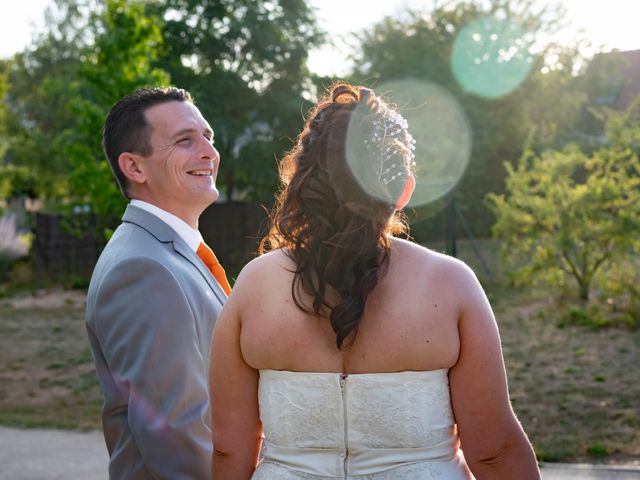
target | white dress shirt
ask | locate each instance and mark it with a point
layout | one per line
(182, 228)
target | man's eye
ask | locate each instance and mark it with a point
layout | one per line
(184, 140)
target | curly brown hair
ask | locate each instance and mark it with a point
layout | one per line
(330, 223)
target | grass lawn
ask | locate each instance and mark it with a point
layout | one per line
(47, 376)
(575, 389)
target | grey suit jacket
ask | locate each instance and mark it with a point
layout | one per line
(151, 308)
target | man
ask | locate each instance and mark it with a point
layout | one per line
(152, 302)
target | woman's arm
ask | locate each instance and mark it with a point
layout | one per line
(494, 444)
(234, 397)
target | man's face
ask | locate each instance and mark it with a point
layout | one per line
(181, 171)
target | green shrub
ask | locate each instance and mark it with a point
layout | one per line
(597, 450)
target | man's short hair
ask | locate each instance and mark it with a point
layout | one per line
(126, 128)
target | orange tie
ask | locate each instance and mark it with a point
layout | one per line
(209, 258)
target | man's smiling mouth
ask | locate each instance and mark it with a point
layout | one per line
(201, 173)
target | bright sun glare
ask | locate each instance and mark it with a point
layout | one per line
(613, 23)
(490, 58)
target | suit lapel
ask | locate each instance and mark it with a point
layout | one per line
(165, 234)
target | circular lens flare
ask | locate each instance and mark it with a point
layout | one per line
(443, 140)
(490, 57)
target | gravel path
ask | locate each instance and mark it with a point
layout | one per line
(37, 454)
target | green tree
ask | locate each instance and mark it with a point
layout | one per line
(623, 279)
(14, 180)
(61, 88)
(543, 110)
(40, 82)
(118, 61)
(622, 129)
(4, 112)
(567, 214)
(245, 63)
(5, 185)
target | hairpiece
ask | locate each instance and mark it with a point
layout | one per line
(390, 139)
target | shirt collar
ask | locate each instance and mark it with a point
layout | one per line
(189, 235)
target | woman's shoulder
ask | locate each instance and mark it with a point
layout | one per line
(434, 271)
(439, 263)
(268, 265)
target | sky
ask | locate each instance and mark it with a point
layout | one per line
(613, 23)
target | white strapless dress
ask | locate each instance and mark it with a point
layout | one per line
(380, 426)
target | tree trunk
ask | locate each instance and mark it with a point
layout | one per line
(583, 285)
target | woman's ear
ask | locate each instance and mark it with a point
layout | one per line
(131, 166)
(407, 191)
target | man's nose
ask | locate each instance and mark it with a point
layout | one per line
(216, 155)
(208, 150)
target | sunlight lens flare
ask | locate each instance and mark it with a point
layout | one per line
(490, 57)
(442, 133)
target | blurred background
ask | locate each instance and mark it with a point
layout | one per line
(526, 115)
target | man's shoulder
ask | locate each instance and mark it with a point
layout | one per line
(129, 231)
(128, 243)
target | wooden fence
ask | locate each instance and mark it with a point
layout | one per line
(232, 229)
(56, 252)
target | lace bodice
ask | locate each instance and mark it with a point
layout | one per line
(362, 426)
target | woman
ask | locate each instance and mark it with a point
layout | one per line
(362, 356)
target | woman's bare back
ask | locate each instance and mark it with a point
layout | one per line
(410, 320)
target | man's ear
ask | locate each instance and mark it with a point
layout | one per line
(132, 167)
(407, 191)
